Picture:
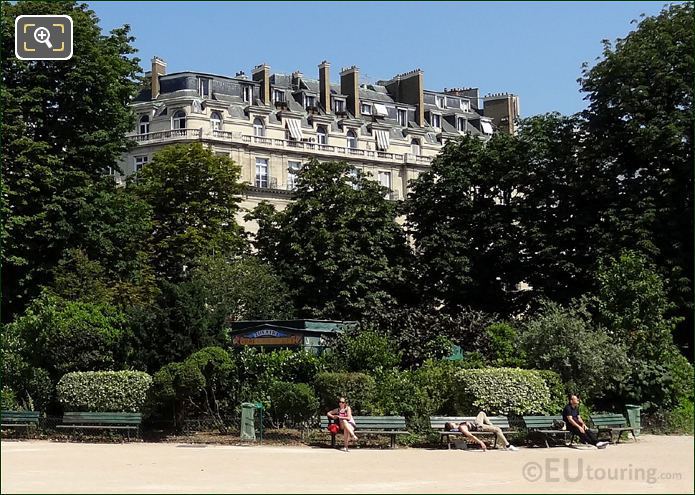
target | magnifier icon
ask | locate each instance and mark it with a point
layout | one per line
(43, 35)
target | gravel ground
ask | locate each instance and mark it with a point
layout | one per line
(655, 464)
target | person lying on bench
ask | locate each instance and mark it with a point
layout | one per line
(343, 413)
(482, 423)
(576, 424)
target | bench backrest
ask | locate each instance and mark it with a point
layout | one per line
(98, 418)
(608, 420)
(437, 422)
(372, 422)
(20, 416)
(540, 422)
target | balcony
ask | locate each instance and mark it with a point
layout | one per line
(319, 150)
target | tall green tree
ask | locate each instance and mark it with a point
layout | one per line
(194, 196)
(63, 124)
(337, 245)
(461, 214)
(640, 122)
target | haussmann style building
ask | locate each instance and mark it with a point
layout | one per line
(271, 124)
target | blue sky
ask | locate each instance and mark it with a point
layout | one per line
(533, 49)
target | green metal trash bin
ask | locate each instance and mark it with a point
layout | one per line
(248, 421)
(633, 416)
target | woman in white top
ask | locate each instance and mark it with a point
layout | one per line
(343, 413)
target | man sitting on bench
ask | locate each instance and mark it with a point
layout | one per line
(576, 424)
(482, 423)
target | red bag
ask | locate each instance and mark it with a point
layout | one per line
(333, 428)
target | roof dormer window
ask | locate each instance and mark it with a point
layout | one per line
(204, 86)
(435, 120)
(247, 93)
(460, 124)
(366, 109)
(278, 95)
(440, 101)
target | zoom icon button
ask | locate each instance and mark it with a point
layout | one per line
(43, 37)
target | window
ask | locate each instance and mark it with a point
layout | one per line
(139, 162)
(465, 105)
(487, 127)
(258, 127)
(216, 121)
(415, 147)
(293, 168)
(351, 140)
(461, 124)
(261, 172)
(321, 135)
(144, 125)
(385, 180)
(204, 85)
(278, 95)
(339, 105)
(441, 101)
(435, 120)
(366, 109)
(309, 101)
(402, 116)
(247, 92)
(178, 121)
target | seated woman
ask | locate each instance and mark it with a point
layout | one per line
(343, 413)
(482, 423)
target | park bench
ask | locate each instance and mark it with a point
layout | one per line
(437, 423)
(541, 427)
(102, 420)
(612, 424)
(390, 426)
(19, 419)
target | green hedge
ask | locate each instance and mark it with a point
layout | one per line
(293, 403)
(358, 388)
(104, 391)
(502, 391)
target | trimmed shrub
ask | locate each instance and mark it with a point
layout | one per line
(558, 392)
(104, 391)
(502, 391)
(358, 388)
(293, 403)
(9, 402)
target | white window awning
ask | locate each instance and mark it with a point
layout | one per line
(295, 128)
(382, 139)
(487, 127)
(380, 110)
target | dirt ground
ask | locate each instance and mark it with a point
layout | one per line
(655, 464)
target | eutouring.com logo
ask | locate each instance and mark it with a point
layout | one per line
(556, 470)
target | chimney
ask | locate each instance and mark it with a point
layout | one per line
(503, 109)
(261, 73)
(159, 68)
(350, 87)
(241, 75)
(296, 79)
(325, 86)
(472, 93)
(409, 88)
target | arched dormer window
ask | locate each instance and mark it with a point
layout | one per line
(178, 120)
(144, 127)
(258, 127)
(351, 139)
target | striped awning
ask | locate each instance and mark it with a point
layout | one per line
(295, 128)
(382, 139)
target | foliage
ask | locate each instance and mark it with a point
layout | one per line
(681, 419)
(501, 346)
(202, 384)
(502, 391)
(563, 339)
(104, 391)
(241, 289)
(64, 336)
(633, 306)
(357, 388)
(427, 332)
(293, 402)
(366, 351)
(63, 125)
(9, 401)
(337, 245)
(640, 124)
(194, 196)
